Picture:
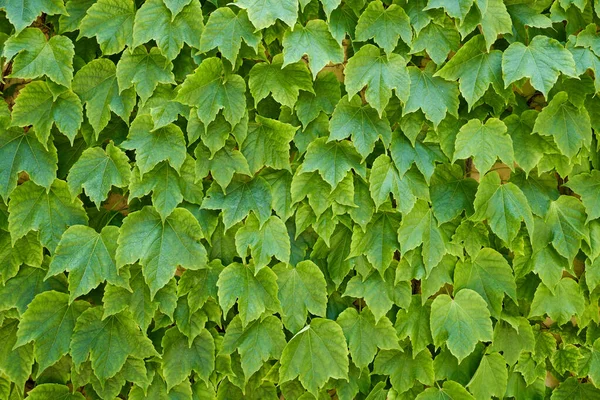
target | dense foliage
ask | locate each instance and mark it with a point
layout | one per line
(299, 199)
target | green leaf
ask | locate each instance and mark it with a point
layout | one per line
(154, 21)
(259, 342)
(485, 143)
(572, 389)
(114, 165)
(255, 294)
(495, 20)
(108, 342)
(161, 245)
(50, 212)
(326, 96)
(266, 241)
(49, 322)
(384, 25)
(241, 197)
(404, 370)
(222, 166)
(333, 160)
(566, 358)
(153, 146)
(569, 125)
(302, 289)
(212, 88)
(385, 179)
(143, 69)
(111, 22)
(488, 274)
(414, 323)
(450, 390)
(420, 227)
(542, 61)
(22, 14)
(27, 250)
(566, 218)
(433, 95)
(424, 155)
(566, 301)
(225, 30)
(529, 147)
(380, 74)
(490, 378)
(451, 193)
(36, 56)
(15, 363)
(586, 185)
(89, 257)
(264, 13)
(315, 354)
(316, 42)
(503, 205)
(97, 87)
(281, 79)
(475, 68)
(365, 336)
(438, 38)
(179, 359)
(21, 151)
(379, 241)
(454, 8)
(268, 144)
(460, 323)
(49, 391)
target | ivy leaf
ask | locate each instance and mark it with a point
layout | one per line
(268, 144)
(264, 13)
(266, 241)
(425, 156)
(152, 147)
(315, 354)
(438, 38)
(450, 390)
(211, 88)
(414, 323)
(488, 274)
(380, 74)
(405, 370)
(365, 336)
(542, 61)
(385, 179)
(143, 69)
(111, 22)
(49, 322)
(433, 95)
(255, 294)
(22, 14)
(108, 342)
(225, 30)
(21, 151)
(566, 218)
(324, 99)
(15, 363)
(27, 250)
(570, 126)
(222, 166)
(351, 117)
(49, 391)
(137, 298)
(282, 80)
(529, 147)
(316, 42)
(89, 258)
(37, 57)
(495, 20)
(241, 197)
(560, 305)
(179, 359)
(379, 241)
(454, 8)
(485, 143)
(97, 87)
(113, 163)
(161, 245)
(333, 160)
(586, 185)
(260, 341)
(168, 187)
(384, 25)
(301, 290)
(490, 378)
(54, 105)
(503, 205)
(380, 293)
(451, 193)
(475, 68)
(154, 21)
(50, 212)
(460, 323)
(572, 389)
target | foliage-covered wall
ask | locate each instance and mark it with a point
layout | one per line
(283, 199)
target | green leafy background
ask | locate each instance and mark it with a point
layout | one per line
(313, 199)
